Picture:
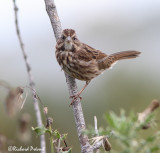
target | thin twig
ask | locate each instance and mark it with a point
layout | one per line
(5, 84)
(95, 126)
(51, 139)
(143, 115)
(72, 87)
(96, 130)
(65, 143)
(58, 146)
(31, 82)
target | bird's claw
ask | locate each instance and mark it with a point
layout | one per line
(74, 98)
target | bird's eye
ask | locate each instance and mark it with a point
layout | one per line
(63, 37)
(74, 38)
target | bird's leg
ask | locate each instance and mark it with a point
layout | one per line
(79, 93)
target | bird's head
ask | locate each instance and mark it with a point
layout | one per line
(69, 39)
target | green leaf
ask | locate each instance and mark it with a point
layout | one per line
(155, 148)
(64, 136)
(112, 120)
(40, 130)
(57, 134)
(151, 139)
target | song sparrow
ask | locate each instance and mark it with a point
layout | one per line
(83, 62)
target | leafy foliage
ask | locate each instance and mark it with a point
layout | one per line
(54, 136)
(127, 134)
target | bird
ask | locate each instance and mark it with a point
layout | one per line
(83, 62)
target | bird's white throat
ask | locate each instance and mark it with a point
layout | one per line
(68, 46)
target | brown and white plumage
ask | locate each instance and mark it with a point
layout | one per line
(82, 61)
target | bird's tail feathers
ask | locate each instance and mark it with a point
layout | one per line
(113, 58)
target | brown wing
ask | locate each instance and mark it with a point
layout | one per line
(87, 53)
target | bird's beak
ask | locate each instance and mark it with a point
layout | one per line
(68, 39)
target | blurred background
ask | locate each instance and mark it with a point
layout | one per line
(107, 25)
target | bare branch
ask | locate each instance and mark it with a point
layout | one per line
(142, 116)
(97, 145)
(99, 141)
(58, 146)
(72, 87)
(31, 82)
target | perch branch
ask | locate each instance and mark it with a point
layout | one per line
(72, 87)
(31, 82)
